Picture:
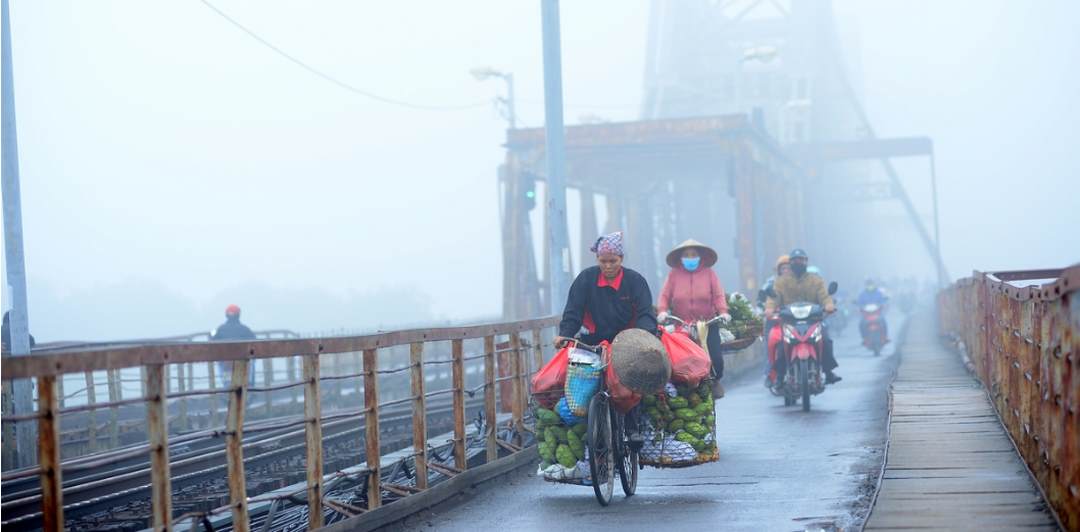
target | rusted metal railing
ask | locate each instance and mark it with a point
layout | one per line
(156, 359)
(1023, 342)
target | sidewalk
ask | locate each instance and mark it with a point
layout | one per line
(950, 465)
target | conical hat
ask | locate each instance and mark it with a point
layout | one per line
(708, 255)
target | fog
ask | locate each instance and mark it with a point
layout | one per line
(171, 164)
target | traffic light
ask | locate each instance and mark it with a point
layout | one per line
(528, 186)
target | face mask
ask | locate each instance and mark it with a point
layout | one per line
(799, 269)
(691, 264)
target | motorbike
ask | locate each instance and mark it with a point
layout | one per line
(803, 342)
(873, 330)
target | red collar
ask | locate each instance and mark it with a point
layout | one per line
(615, 284)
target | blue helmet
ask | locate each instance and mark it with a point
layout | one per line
(798, 253)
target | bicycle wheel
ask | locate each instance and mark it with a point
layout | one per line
(626, 459)
(601, 455)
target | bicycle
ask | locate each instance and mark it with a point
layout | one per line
(609, 450)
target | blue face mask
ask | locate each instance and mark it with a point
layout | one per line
(691, 264)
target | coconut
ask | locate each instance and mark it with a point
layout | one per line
(640, 361)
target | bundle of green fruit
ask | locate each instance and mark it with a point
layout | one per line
(679, 425)
(561, 447)
(744, 322)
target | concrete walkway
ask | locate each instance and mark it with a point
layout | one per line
(950, 464)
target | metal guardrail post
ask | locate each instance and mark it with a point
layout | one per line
(538, 352)
(268, 380)
(517, 405)
(489, 399)
(313, 437)
(234, 451)
(158, 435)
(181, 386)
(458, 353)
(91, 398)
(114, 411)
(213, 399)
(290, 369)
(416, 358)
(52, 498)
(371, 430)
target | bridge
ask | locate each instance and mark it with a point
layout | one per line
(967, 420)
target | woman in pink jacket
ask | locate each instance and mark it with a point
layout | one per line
(693, 292)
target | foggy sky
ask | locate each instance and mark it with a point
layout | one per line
(171, 164)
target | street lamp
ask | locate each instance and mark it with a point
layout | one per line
(486, 73)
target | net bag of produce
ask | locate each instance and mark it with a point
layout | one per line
(622, 397)
(582, 381)
(689, 362)
(547, 384)
(561, 448)
(679, 426)
(640, 361)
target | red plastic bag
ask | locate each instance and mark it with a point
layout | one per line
(622, 398)
(547, 384)
(689, 362)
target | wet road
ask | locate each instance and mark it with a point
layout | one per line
(779, 468)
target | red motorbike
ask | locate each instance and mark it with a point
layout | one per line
(802, 345)
(873, 330)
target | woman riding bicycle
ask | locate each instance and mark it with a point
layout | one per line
(605, 300)
(692, 292)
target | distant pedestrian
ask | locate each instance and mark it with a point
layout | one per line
(232, 329)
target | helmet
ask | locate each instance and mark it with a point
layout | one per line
(782, 260)
(798, 253)
(232, 310)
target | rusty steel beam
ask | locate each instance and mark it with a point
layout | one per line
(416, 359)
(52, 498)
(458, 354)
(234, 448)
(313, 441)
(157, 426)
(371, 430)
(146, 354)
(489, 399)
(1023, 343)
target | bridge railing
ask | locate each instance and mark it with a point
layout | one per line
(1023, 343)
(511, 350)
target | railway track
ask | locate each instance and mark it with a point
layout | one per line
(117, 497)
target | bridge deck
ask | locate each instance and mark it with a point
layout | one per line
(950, 464)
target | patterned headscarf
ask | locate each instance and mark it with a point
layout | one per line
(609, 244)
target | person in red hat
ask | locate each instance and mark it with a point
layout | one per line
(232, 329)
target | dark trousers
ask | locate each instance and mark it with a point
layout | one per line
(713, 342)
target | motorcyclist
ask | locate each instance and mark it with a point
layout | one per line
(783, 267)
(803, 286)
(232, 329)
(872, 294)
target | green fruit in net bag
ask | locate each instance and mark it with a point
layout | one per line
(704, 408)
(547, 417)
(676, 425)
(649, 400)
(579, 429)
(686, 413)
(565, 456)
(678, 402)
(549, 435)
(697, 429)
(694, 400)
(710, 420)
